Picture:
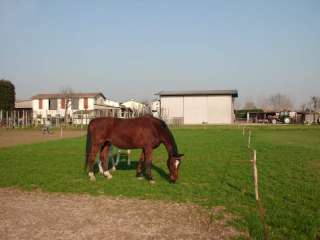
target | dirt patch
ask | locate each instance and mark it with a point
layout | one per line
(14, 137)
(38, 215)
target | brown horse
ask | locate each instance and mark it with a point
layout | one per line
(146, 133)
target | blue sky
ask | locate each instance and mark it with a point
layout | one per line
(136, 48)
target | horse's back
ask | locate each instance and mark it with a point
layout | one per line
(135, 133)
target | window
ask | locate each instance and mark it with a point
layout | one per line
(40, 103)
(63, 103)
(53, 104)
(75, 103)
(85, 103)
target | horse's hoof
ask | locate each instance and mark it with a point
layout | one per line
(107, 175)
(152, 181)
(91, 176)
(113, 168)
(140, 178)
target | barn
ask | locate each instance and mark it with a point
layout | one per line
(198, 107)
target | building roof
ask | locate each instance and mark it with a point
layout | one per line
(233, 93)
(23, 104)
(61, 95)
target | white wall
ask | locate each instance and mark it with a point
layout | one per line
(171, 107)
(195, 110)
(220, 109)
(198, 109)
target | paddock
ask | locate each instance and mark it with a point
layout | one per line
(216, 173)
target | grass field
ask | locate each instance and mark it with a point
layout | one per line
(215, 171)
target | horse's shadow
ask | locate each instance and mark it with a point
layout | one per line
(123, 166)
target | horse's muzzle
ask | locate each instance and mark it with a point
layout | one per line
(173, 181)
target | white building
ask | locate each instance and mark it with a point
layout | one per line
(79, 107)
(198, 107)
(155, 108)
(138, 108)
(112, 103)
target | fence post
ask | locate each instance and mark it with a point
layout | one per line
(23, 119)
(249, 139)
(81, 120)
(255, 174)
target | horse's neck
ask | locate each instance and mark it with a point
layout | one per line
(167, 141)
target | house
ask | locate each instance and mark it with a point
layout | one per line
(198, 107)
(23, 111)
(137, 108)
(79, 108)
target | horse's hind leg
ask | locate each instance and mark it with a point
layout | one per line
(91, 160)
(112, 158)
(148, 162)
(104, 160)
(140, 165)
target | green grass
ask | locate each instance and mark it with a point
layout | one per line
(210, 175)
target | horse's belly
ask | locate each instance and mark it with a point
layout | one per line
(126, 139)
(127, 143)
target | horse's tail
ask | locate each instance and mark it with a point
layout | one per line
(88, 147)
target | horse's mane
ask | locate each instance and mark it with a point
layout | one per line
(164, 126)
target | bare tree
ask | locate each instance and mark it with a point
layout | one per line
(237, 105)
(147, 106)
(66, 96)
(304, 107)
(249, 105)
(264, 104)
(279, 102)
(314, 106)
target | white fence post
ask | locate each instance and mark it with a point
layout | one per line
(255, 174)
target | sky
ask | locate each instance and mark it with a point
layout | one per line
(136, 48)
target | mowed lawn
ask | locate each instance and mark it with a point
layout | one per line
(215, 171)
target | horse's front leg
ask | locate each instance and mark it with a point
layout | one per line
(91, 159)
(148, 162)
(140, 165)
(104, 160)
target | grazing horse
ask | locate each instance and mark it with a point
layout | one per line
(146, 133)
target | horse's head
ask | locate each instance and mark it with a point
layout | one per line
(173, 164)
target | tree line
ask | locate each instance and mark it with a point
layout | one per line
(280, 102)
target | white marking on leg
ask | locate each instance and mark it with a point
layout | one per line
(107, 174)
(118, 157)
(91, 176)
(100, 168)
(177, 163)
(129, 154)
(113, 164)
